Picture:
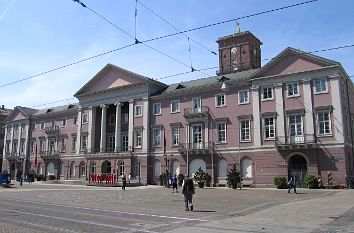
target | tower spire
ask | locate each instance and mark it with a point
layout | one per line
(238, 29)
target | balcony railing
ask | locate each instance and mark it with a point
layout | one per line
(52, 130)
(201, 112)
(306, 140)
(195, 148)
(49, 154)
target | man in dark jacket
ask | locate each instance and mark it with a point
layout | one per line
(188, 191)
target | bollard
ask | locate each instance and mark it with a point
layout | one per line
(329, 179)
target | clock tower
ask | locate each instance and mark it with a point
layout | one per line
(239, 52)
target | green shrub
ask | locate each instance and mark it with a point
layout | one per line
(311, 182)
(51, 177)
(39, 177)
(199, 176)
(280, 182)
(233, 177)
(207, 180)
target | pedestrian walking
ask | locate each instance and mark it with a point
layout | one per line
(188, 190)
(174, 184)
(129, 178)
(291, 185)
(124, 181)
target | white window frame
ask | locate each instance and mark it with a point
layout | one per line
(177, 107)
(268, 128)
(63, 122)
(246, 128)
(75, 120)
(224, 131)
(138, 110)
(175, 135)
(156, 137)
(125, 142)
(74, 141)
(85, 118)
(223, 104)
(33, 126)
(138, 140)
(63, 144)
(23, 127)
(241, 94)
(156, 106)
(125, 118)
(290, 86)
(271, 92)
(329, 122)
(84, 142)
(321, 91)
(42, 125)
(16, 128)
(111, 142)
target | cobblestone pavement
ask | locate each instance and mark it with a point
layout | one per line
(71, 208)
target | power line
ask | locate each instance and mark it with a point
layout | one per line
(126, 46)
(53, 102)
(178, 30)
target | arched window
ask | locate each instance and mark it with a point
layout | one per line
(93, 168)
(222, 168)
(195, 165)
(106, 167)
(82, 169)
(121, 168)
(39, 169)
(157, 168)
(246, 168)
(72, 169)
(175, 167)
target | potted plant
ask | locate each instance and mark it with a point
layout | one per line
(199, 176)
(51, 177)
(233, 177)
(280, 182)
(311, 182)
(207, 180)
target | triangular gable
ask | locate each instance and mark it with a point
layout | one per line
(16, 115)
(112, 76)
(292, 61)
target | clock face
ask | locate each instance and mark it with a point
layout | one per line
(234, 50)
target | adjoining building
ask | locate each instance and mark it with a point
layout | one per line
(293, 116)
(4, 113)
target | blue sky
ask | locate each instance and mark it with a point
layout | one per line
(40, 35)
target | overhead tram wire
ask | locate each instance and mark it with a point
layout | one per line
(132, 37)
(178, 30)
(157, 38)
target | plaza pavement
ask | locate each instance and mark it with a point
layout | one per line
(324, 214)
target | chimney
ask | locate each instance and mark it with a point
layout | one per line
(3, 107)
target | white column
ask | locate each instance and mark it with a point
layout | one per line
(206, 134)
(27, 139)
(19, 129)
(337, 109)
(117, 132)
(146, 125)
(103, 128)
(256, 116)
(279, 106)
(5, 142)
(131, 125)
(78, 135)
(91, 129)
(12, 139)
(309, 127)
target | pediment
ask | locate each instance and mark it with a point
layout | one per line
(293, 61)
(111, 77)
(16, 115)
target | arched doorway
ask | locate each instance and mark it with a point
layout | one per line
(297, 168)
(222, 168)
(39, 169)
(50, 169)
(195, 165)
(82, 168)
(157, 170)
(106, 167)
(72, 169)
(175, 167)
(246, 168)
(12, 171)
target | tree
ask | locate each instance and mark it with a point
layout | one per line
(199, 176)
(233, 177)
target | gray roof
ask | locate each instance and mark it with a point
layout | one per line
(204, 83)
(58, 109)
(28, 111)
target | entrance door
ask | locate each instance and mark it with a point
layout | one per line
(295, 127)
(197, 104)
(297, 168)
(197, 137)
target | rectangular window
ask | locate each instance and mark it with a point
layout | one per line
(8, 147)
(14, 147)
(138, 111)
(156, 137)
(111, 143)
(32, 146)
(269, 128)
(33, 126)
(243, 97)
(22, 146)
(321, 86)
(41, 145)
(324, 123)
(75, 120)
(74, 144)
(63, 122)
(157, 109)
(220, 100)
(112, 120)
(84, 118)
(23, 128)
(293, 89)
(42, 125)
(84, 142)
(175, 135)
(267, 93)
(245, 130)
(16, 128)
(125, 143)
(137, 141)
(221, 137)
(175, 106)
(53, 123)
(125, 118)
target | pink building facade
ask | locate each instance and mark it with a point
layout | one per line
(293, 116)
